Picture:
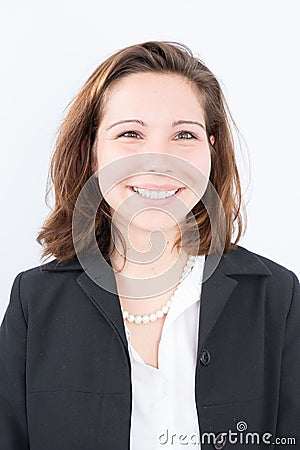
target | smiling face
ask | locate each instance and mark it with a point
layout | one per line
(152, 150)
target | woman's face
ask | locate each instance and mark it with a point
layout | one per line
(152, 150)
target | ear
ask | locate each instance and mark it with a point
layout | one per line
(212, 139)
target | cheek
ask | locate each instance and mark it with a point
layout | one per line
(201, 161)
(104, 156)
(114, 196)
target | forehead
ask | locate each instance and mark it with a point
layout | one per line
(153, 92)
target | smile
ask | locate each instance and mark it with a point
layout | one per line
(155, 195)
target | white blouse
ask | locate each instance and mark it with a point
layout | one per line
(164, 411)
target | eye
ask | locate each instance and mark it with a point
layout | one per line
(131, 132)
(182, 133)
(187, 135)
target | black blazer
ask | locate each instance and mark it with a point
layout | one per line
(65, 374)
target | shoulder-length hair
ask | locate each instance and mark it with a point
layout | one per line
(74, 156)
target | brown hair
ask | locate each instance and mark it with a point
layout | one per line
(73, 160)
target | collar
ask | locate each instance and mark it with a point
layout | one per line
(237, 261)
(216, 289)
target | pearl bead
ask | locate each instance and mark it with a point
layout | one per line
(147, 318)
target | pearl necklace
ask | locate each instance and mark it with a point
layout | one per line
(147, 318)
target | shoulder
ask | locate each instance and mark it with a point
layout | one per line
(52, 267)
(237, 261)
(45, 283)
(280, 281)
(242, 255)
(40, 279)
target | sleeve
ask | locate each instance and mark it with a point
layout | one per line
(288, 422)
(13, 334)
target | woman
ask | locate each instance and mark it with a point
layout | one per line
(151, 328)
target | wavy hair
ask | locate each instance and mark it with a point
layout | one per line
(74, 156)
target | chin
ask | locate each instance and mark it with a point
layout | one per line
(153, 220)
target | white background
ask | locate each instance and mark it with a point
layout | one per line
(48, 50)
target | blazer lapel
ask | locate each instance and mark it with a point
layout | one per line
(217, 288)
(102, 291)
(97, 280)
(216, 291)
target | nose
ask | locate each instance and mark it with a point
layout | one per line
(157, 162)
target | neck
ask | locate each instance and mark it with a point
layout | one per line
(146, 253)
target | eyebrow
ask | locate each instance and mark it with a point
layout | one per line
(174, 124)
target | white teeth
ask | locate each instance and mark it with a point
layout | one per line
(154, 194)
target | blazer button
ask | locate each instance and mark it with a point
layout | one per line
(205, 357)
(220, 441)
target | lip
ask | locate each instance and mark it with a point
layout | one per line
(155, 187)
(155, 201)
